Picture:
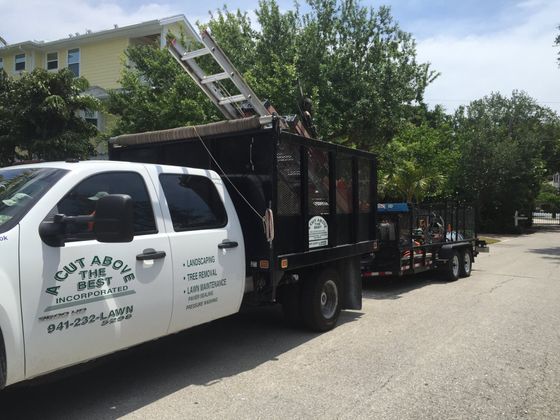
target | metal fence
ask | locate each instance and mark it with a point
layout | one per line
(545, 219)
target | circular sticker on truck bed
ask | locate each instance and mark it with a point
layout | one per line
(318, 232)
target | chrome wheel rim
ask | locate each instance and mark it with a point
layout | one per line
(467, 263)
(455, 265)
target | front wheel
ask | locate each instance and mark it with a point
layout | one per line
(466, 263)
(321, 301)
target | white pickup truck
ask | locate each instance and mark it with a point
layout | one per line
(98, 256)
(173, 258)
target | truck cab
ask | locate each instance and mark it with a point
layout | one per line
(98, 256)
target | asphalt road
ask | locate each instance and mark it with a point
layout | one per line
(485, 347)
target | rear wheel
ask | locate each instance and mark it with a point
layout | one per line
(452, 268)
(321, 301)
(466, 263)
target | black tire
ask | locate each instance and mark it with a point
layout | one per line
(2, 362)
(320, 301)
(452, 268)
(466, 263)
(290, 298)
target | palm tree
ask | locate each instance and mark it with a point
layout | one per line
(411, 182)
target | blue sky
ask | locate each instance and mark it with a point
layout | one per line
(478, 46)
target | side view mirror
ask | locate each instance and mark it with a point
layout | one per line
(112, 221)
(52, 232)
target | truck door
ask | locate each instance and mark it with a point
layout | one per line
(88, 298)
(207, 247)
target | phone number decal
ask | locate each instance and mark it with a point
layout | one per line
(103, 319)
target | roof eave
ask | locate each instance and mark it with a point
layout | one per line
(151, 27)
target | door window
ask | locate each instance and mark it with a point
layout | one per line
(82, 199)
(194, 202)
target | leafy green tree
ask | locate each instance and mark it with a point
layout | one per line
(355, 63)
(557, 43)
(501, 167)
(548, 199)
(7, 145)
(236, 35)
(39, 116)
(416, 164)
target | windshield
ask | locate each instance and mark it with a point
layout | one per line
(20, 188)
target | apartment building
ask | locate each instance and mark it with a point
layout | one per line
(556, 180)
(97, 56)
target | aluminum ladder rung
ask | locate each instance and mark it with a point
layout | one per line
(228, 67)
(232, 99)
(214, 78)
(196, 53)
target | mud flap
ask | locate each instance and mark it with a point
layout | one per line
(351, 277)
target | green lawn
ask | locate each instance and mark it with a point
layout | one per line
(489, 241)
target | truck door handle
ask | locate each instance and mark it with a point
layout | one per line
(226, 243)
(150, 254)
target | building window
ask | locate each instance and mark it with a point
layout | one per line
(74, 61)
(20, 62)
(92, 117)
(52, 61)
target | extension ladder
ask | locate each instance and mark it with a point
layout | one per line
(227, 103)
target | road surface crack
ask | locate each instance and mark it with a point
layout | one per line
(500, 284)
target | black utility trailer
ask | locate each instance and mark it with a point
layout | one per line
(320, 196)
(413, 239)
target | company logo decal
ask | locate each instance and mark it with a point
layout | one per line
(90, 280)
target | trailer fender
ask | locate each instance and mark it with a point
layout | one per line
(447, 250)
(350, 274)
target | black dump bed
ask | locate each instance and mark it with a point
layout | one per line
(322, 195)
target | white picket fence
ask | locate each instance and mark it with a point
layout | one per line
(542, 218)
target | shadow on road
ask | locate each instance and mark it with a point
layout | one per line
(122, 383)
(394, 287)
(544, 228)
(548, 253)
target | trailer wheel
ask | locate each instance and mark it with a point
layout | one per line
(452, 268)
(466, 263)
(321, 301)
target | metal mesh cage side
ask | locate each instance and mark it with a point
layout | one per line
(289, 234)
(365, 198)
(289, 179)
(344, 198)
(318, 181)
